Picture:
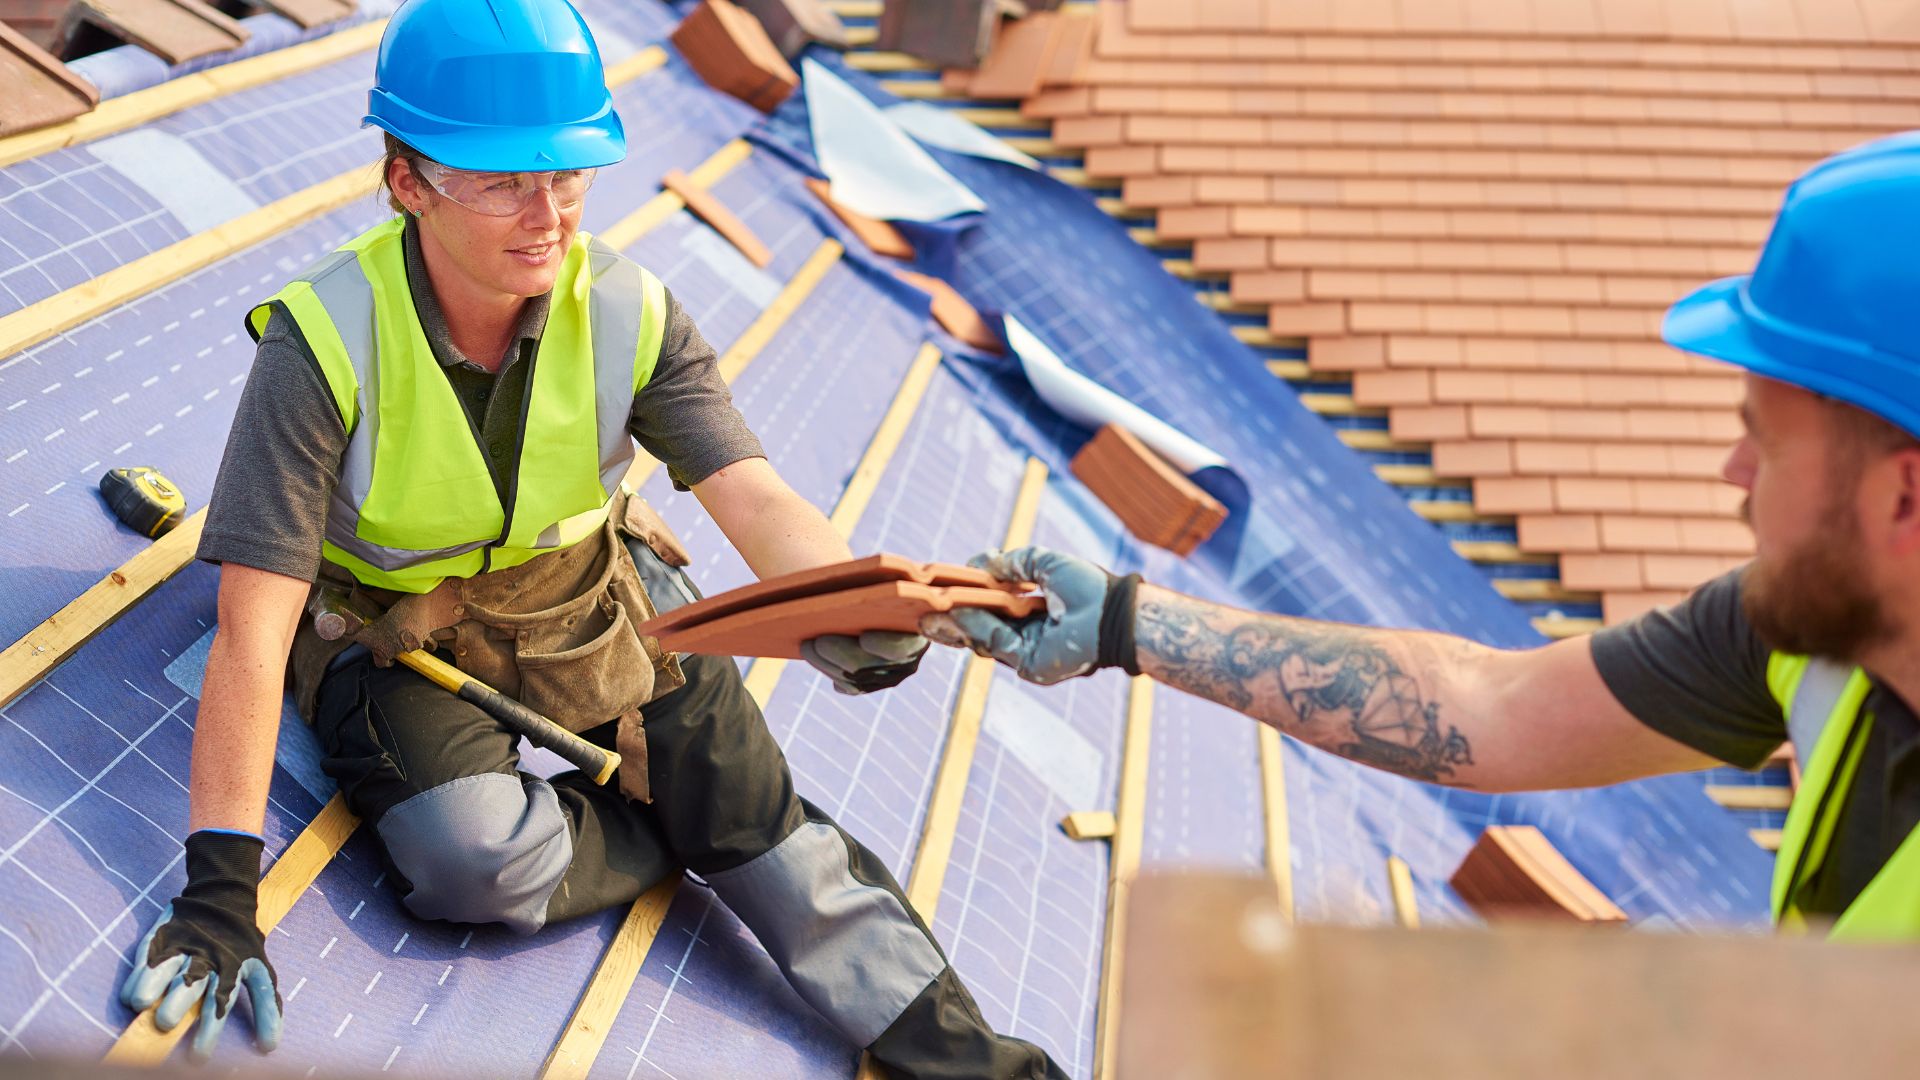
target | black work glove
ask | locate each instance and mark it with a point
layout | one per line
(206, 945)
(875, 660)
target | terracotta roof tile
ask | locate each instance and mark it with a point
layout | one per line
(1375, 388)
(1478, 458)
(1084, 131)
(1158, 191)
(40, 89)
(1635, 532)
(1482, 209)
(1123, 161)
(1072, 51)
(1533, 457)
(1601, 573)
(1573, 493)
(1513, 495)
(1017, 65)
(1309, 318)
(1193, 223)
(1065, 101)
(1559, 532)
(1428, 423)
(1242, 254)
(1265, 287)
(1684, 571)
(1361, 353)
(778, 629)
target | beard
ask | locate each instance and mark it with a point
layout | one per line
(1814, 600)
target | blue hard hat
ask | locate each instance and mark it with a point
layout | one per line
(1834, 305)
(496, 86)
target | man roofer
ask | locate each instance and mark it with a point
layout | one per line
(1816, 641)
(437, 423)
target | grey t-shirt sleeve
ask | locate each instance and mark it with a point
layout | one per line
(1697, 673)
(268, 509)
(684, 416)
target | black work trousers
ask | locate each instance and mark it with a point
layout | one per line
(469, 837)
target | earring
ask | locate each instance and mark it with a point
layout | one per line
(417, 213)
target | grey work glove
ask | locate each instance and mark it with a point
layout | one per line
(1088, 624)
(206, 947)
(876, 660)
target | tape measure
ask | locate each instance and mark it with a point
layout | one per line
(143, 500)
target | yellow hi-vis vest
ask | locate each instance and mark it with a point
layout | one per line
(415, 503)
(1829, 730)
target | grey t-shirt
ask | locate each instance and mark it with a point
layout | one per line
(268, 509)
(1697, 673)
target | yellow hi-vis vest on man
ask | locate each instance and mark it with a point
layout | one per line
(1829, 730)
(415, 502)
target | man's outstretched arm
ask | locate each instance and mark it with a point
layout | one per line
(1424, 705)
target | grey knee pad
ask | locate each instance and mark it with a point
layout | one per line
(487, 848)
(848, 948)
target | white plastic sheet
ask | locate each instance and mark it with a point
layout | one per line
(875, 168)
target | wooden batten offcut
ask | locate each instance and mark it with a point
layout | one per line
(954, 314)
(1088, 825)
(880, 237)
(715, 213)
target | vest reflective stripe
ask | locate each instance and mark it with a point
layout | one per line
(1822, 684)
(415, 501)
(1823, 703)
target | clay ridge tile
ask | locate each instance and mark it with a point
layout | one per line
(817, 581)
(778, 629)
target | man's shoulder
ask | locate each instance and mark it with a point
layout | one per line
(1696, 671)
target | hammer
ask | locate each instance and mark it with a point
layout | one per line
(336, 615)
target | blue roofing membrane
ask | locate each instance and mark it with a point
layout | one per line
(92, 802)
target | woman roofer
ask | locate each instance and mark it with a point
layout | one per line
(437, 422)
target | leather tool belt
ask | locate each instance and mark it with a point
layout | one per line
(555, 633)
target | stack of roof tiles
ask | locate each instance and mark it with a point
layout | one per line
(1481, 208)
(731, 50)
(1156, 501)
(1514, 872)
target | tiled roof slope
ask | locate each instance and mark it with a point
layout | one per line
(1480, 209)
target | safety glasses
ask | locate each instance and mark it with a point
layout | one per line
(505, 194)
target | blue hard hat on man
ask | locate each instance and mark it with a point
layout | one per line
(1834, 304)
(496, 86)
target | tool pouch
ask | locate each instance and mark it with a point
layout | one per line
(556, 633)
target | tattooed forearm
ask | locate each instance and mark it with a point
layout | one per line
(1321, 682)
